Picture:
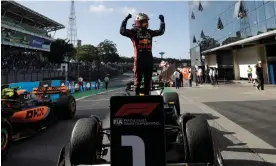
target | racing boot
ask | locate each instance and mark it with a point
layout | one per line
(137, 91)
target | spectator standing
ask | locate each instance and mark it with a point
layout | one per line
(190, 77)
(260, 76)
(186, 75)
(206, 74)
(99, 83)
(249, 74)
(181, 84)
(106, 81)
(80, 82)
(176, 77)
(215, 76)
(196, 76)
(211, 75)
(199, 73)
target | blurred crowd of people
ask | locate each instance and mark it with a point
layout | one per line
(17, 61)
(210, 75)
(185, 76)
(30, 61)
(18, 64)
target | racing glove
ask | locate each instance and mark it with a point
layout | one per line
(128, 16)
(123, 25)
(161, 17)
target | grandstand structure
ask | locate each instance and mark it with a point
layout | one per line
(25, 43)
(24, 28)
(24, 39)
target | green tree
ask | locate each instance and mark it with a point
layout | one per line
(126, 59)
(60, 49)
(208, 43)
(231, 40)
(87, 53)
(108, 51)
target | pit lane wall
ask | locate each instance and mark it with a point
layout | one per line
(72, 86)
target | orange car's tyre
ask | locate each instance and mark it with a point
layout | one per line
(5, 138)
(66, 107)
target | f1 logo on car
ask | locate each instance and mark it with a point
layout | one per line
(144, 109)
(35, 113)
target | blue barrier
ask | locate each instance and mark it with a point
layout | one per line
(56, 83)
(70, 85)
(25, 85)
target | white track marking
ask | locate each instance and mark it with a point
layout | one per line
(95, 100)
(97, 94)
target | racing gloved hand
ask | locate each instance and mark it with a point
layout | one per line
(128, 16)
(161, 17)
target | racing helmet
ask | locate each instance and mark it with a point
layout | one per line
(7, 93)
(141, 20)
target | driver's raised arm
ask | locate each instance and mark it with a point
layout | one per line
(123, 30)
(161, 30)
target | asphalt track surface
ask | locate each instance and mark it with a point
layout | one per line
(43, 149)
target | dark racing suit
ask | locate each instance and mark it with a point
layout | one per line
(143, 59)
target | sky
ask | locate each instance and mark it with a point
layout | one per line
(100, 20)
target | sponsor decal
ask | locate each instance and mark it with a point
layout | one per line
(36, 42)
(144, 109)
(144, 44)
(133, 122)
(37, 112)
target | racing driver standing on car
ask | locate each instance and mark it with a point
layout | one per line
(141, 38)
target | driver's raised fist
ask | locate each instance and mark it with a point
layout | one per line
(128, 16)
(161, 17)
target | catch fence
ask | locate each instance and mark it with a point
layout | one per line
(11, 76)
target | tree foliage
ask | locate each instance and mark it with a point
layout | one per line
(231, 40)
(87, 53)
(208, 43)
(60, 49)
(106, 51)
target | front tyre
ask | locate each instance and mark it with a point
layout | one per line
(199, 141)
(85, 142)
(5, 138)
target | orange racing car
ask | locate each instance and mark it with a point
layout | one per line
(26, 113)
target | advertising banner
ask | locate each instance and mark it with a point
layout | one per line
(36, 42)
(45, 46)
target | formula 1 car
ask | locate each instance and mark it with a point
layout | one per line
(25, 114)
(144, 130)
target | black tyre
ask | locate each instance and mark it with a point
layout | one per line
(66, 107)
(6, 137)
(199, 141)
(85, 142)
(172, 97)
